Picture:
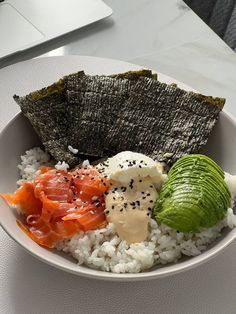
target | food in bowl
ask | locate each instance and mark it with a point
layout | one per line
(130, 211)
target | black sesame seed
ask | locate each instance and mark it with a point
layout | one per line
(140, 166)
(106, 193)
(92, 178)
(151, 186)
(112, 206)
(143, 192)
(148, 214)
(140, 180)
(107, 212)
(143, 197)
(151, 201)
(104, 184)
(125, 205)
(148, 194)
(149, 208)
(133, 207)
(114, 198)
(141, 161)
(138, 203)
(121, 210)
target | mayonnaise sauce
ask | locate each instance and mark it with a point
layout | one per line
(129, 208)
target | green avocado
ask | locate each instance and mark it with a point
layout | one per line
(195, 195)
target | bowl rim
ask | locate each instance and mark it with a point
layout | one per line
(161, 272)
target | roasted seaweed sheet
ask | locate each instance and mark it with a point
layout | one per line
(103, 115)
(164, 121)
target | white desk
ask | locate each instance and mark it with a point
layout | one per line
(164, 35)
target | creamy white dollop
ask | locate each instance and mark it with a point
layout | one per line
(133, 193)
(230, 180)
(127, 165)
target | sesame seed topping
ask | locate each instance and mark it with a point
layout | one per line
(140, 181)
(125, 205)
(149, 208)
(148, 214)
(121, 210)
(107, 212)
(112, 206)
(151, 201)
(151, 186)
(114, 198)
(143, 197)
(140, 166)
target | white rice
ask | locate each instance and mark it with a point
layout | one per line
(62, 166)
(73, 150)
(31, 162)
(103, 249)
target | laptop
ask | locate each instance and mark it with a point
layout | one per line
(28, 23)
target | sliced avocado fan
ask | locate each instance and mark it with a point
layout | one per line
(195, 195)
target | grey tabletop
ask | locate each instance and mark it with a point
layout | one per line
(167, 36)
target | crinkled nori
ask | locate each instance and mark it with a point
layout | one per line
(159, 118)
(94, 109)
(59, 112)
(47, 111)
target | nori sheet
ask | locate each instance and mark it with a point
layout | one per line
(159, 118)
(94, 103)
(46, 109)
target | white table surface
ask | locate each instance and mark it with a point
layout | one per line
(164, 35)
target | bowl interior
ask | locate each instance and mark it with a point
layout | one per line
(18, 136)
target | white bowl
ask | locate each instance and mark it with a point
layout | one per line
(18, 136)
